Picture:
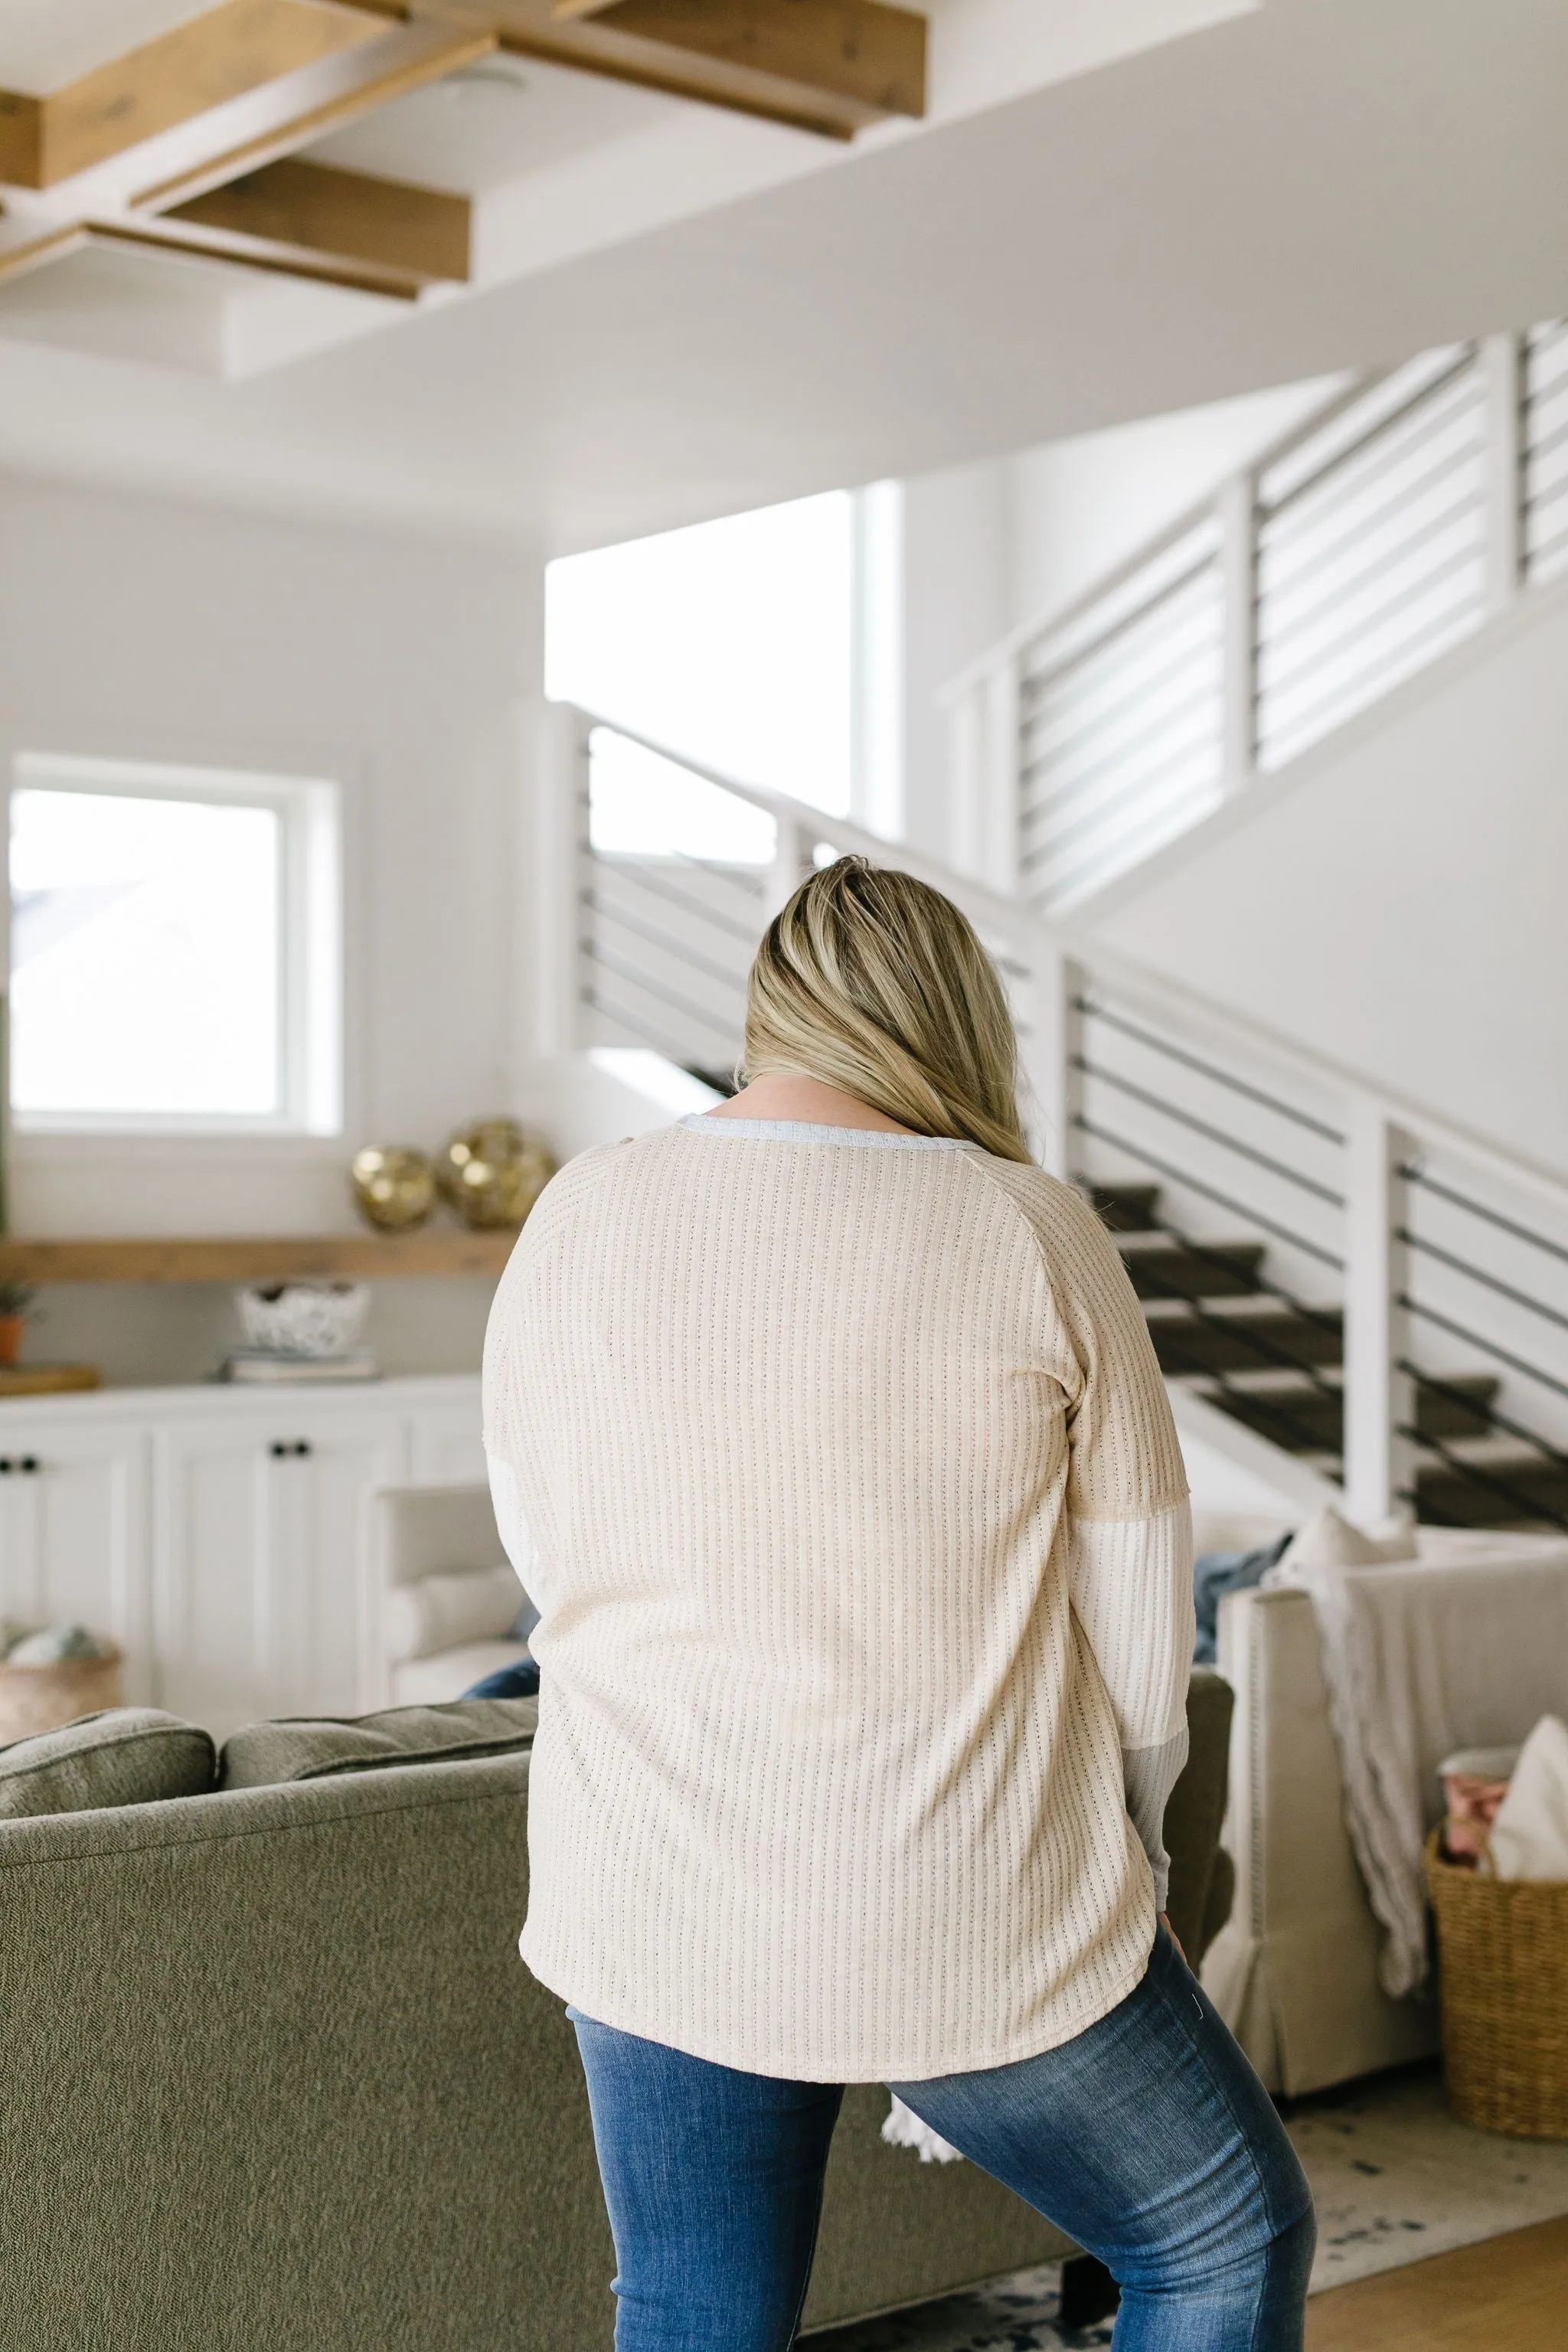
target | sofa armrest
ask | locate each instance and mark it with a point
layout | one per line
(1294, 1973)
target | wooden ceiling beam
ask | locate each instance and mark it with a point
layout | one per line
(826, 66)
(335, 94)
(158, 233)
(232, 50)
(312, 211)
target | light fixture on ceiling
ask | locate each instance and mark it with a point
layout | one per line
(496, 73)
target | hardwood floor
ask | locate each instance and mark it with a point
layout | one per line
(1509, 2294)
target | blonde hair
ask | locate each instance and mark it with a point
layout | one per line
(871, 981)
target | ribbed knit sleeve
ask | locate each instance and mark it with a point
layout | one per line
(856, 1514)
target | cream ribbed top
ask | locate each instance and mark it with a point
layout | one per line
(859, 1533)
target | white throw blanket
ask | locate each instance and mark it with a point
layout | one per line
(1466, 1646)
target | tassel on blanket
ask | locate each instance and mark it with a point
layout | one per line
(904, 2128)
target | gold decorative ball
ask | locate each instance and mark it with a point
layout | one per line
(492, 1173)
(395, 1188)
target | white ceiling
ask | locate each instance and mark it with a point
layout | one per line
(1313, 184)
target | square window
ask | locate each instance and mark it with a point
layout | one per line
(174, 949)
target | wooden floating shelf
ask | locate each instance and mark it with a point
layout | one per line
(269, 1257)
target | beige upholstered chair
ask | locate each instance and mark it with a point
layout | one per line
(442, 1599)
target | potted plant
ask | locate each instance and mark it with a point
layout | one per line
(15, 1297)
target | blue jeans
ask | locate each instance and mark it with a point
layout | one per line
(1148, 2138)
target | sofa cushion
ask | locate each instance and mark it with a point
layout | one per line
(1330, 1540)
(304, 1748)
(126, 1756)
(442, 1612)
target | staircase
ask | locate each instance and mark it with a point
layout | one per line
(1223, 1333)
(1353, 1289)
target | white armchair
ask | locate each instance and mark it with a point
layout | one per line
(443, 1601)
(1295, 1971)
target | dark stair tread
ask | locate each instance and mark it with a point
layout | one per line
(1305, 1419)
(1252, 1342)
(1126, 1208)
(1163, 1269)
(1493, 1490)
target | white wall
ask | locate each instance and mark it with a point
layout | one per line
(1401, 905)
(407, 667)
(956, 602)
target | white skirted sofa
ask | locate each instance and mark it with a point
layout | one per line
(1295, 1971)
(442, 1598)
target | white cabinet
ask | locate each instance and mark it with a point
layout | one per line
(73, 1534)
(259, 1538)
(449, 1444)
(219, 1534)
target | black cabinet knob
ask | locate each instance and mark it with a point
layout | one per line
(30, 1463)
(6, 1465)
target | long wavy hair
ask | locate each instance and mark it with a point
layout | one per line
(872, 981)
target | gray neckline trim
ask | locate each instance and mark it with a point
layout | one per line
(801, 1130)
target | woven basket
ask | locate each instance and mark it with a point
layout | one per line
(40, 1698)
(1504, 1945)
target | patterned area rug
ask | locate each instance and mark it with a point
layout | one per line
(1395, 2180)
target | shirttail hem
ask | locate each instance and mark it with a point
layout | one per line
(861, 2069)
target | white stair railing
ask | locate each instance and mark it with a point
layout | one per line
(1354, 1280)
(1354, 550)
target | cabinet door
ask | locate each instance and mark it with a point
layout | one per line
(261, 1545)
(448, 1443)
(74, 1535)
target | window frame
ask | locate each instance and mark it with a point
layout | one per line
(310, 961)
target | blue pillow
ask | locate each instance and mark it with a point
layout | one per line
(1217, 1573)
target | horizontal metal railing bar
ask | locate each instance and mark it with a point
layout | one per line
(1039, 628)
(1547, 546)
(1287, 679)
(1414, 1173)
(1160, 638)
(652, 1037)
(664, 994)
(1428, 389)
(1113, 705)
(1037, 681)
(1487, 1412)
(1052, 776)
(746, 879)
(1070, 673)
(1491, 1348)
(1202, 1127)
(1100, 863)
(690, 958)
(1390, 553)
(1192, 1061)
(1478, 1474)
(1210, 1193)
(640, 879)
(1208, 701)
(1478, 1274)
(1062, 815)
(1362, 526)
(1535, 449)
(1292, 535)
(1191, 782)
(1306, 723)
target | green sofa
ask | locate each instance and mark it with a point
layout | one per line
(274, 2080)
